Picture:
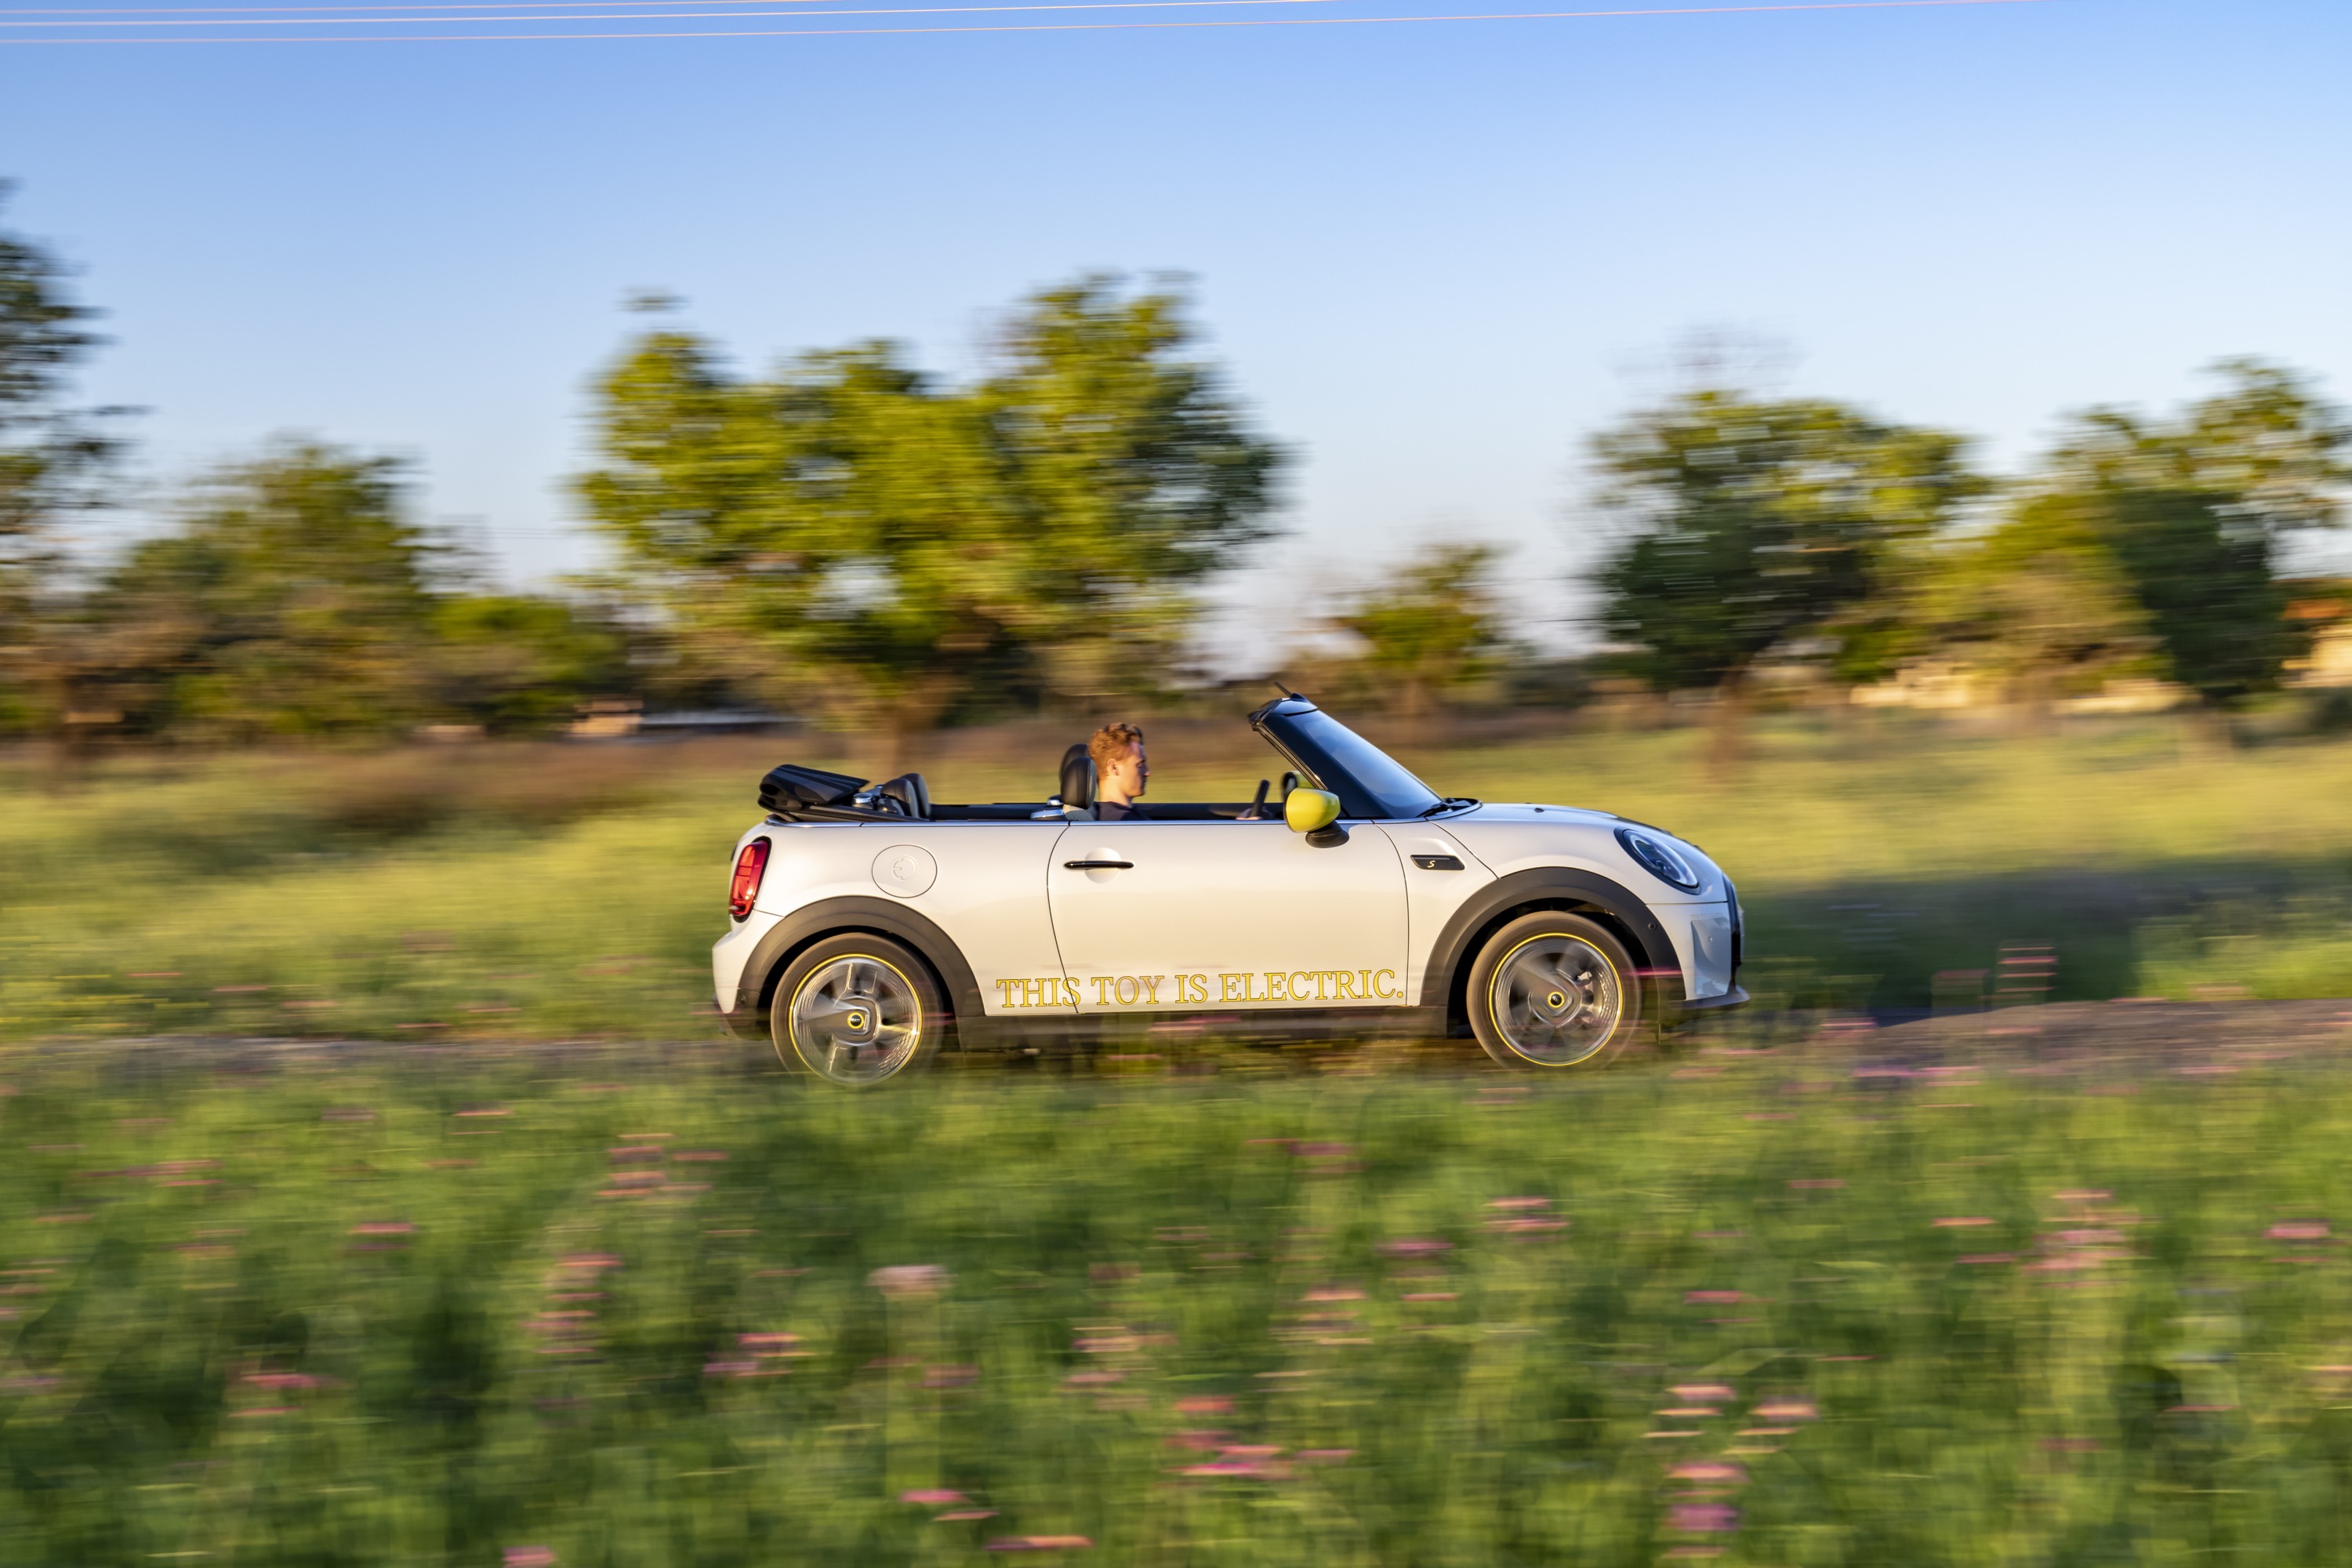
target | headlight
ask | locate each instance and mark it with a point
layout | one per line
(1659, 860)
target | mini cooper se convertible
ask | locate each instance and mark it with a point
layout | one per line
(872, 925)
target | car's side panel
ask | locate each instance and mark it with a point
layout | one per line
(795, 931)
(1455, 944)
(1225, 916)
(972, 895)
(1432, 891)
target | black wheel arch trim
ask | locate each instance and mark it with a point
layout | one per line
(1545, 886)
(831, 916)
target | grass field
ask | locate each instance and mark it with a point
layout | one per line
(376, 1193)
(558, 892)
(615, 1306)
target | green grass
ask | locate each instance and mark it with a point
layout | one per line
(301, 1304)
(563, 891)
(357, 1308)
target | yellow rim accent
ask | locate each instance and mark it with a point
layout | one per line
(793, 1008)
(1503, 963)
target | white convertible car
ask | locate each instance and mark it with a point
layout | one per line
(871, 926)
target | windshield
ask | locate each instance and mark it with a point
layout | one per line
(1341, 759)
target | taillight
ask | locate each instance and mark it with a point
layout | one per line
(750, 867)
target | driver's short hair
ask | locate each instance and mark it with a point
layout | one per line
(1112, 742)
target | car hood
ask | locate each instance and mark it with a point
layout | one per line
(1495, 810)
(1519, 837)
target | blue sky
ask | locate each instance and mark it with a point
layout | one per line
(1433, 257)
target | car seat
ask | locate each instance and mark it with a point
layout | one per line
(1077, 790)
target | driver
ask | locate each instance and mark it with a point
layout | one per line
(1120, 771)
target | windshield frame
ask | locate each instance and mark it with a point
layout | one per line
(1320, 746)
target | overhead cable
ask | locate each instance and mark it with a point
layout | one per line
(1815, 6)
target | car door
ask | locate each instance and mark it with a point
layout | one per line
(1220, 915)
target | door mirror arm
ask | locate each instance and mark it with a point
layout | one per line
(1329, 836)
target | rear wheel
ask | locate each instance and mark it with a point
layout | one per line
(1554, 990)
(857, 1010)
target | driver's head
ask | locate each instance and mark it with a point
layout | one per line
(1120, 771)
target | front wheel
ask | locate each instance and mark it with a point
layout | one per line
(857, 1010)
(1554, 990)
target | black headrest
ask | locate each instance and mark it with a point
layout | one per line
(1077, 777)
(910, 791)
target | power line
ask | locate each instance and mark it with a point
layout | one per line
(1019, 28)
(301, 13)
(670, 15)
(289, 10)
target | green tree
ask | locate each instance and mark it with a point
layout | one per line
(295, 598)
(2193, 511)
(2038, 603)
(855, 536)
(1430, 628)
(52, 458)
(1755, 525)
(522, 663)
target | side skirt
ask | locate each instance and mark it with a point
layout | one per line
(1271, 1025)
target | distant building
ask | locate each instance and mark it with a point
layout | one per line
(623, 718)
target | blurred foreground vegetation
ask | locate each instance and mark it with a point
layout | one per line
(618, 1306)
(558, 891)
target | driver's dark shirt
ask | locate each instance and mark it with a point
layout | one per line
(1105, 811)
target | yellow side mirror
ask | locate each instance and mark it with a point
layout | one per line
(1306, 810)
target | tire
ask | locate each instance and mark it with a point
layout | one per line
(856, 1011)
(1556, 990)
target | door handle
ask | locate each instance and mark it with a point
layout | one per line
(1098, 864)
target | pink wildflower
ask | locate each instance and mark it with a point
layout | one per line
(933, 1497)
(910, 1280)
(1705, 1518)
(1713, 1472)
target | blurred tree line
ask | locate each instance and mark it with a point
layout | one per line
(1759, 534)
(852, 540)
